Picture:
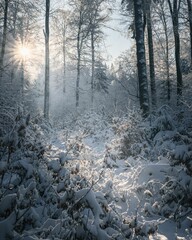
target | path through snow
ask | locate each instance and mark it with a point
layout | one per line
(121, 181)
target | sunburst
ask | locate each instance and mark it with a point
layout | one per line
(19, 52)
(24, 52)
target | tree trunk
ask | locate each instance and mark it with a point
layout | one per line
(78, 79)
(167, 66)
(168, 83)
(151, 53)
(175, 21)
(4, 38)
(46, 94)
(93, 66)
(78, 66)
(22, 83)
(16, 6)
(190, 26)
(64, 58)
(141, 60)
(79, 48)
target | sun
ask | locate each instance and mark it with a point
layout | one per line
(24, 52)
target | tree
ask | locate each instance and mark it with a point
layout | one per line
(127, 73)
(147, 6)
(96, 19)
(101, 82)
(141, 60)
(189, 5)
(174, 10)
(80, 23)
(46, 33)
(164, 22)
(3, 45)
(138, 27)
(64, 29)
(80, 26)
(163, 39)
(61, 35)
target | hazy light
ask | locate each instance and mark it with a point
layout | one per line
(24, 52)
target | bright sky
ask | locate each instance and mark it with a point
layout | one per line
(117, 40)
(116, 44)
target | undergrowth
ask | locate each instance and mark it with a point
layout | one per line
(44, 197)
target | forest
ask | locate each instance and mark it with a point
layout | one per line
(95, 146)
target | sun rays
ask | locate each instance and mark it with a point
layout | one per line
(24, 52)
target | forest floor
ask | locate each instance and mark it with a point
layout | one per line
(97, 178)
(130, 184)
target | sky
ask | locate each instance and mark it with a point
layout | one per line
(117, 38)
(116, 43)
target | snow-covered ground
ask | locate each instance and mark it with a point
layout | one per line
(130, 185)
(99, 178)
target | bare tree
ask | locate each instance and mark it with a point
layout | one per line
(163, 29)
(140, 10)
(46, 33)
(61, 21)
(147, 8)
(174, 10)
(80, 23)
(96, 18)
(164, 22)
(3, 45)
(141, 60)
(189, 5)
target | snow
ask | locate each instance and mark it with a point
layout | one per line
(126, 189)
(7, 203)
(7, 226)
(87, 184)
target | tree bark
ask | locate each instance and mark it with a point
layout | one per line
(78, 65)
(46, 94)
(78, 79)
(151, 53)
(64, 59)
(3, 45)
(16, 8)
(93, 66)
(167, 62)
(189, 5)
(22, 83)
(175, 21)
(141, 60)
(165, 28)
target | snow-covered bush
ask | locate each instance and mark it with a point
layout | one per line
(91, 122)
(163, 121)
(182, 152)
(130, 135)
(91, 189)
(21, 154)
(170, 194)
(41, 198)
(172, 140)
